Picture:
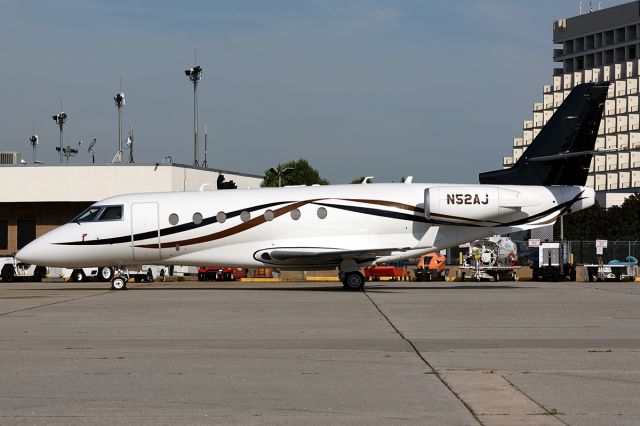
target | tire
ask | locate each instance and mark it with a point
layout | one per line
(39, 273)
(105, 273)
(119, 283)
(149, 277)
(78, 276)
(8, 274)
(496, 277)
(572, 275)
(202, 276)
(353, 281)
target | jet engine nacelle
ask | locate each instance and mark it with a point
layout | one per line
(472, 204)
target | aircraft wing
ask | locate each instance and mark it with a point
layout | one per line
(328, 255)
(331, 257)
(321, 257)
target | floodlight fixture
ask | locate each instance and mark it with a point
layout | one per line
(34, 144)
(92, 151)
(67, 152)
(280, 173)
(195, 74)
(60, 118)
(120, 102)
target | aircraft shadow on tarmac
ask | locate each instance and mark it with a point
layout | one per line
(337, 288)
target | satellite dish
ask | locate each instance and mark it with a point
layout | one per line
(129, 140)
(93, 142)
(117, 158)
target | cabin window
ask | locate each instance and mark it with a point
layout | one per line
(88, 215)
(245, 216)
(221, 217)
(4, 234)
(111, 213)
(322, 213)
(173, 219)
(295, 214)
(197, 218)
(268, 215)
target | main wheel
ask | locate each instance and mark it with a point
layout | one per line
(202, 276)
(119, 283)
(105, 273)
(149, 277)
(8, 274)
(77, 276)
(353, 281)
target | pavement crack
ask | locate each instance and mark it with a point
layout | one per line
(421, 357)
(54, 303)
(548, 412)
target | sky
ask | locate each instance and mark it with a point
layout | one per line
(432, 89)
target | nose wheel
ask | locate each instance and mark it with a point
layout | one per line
(120, 280)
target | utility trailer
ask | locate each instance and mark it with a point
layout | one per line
(10, 269)
(614, 270)
(490, 259)
(496, 273)
(144, 273)
(374, 273)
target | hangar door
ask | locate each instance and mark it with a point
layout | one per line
(145, 232)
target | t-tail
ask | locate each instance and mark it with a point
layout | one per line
(561, 153)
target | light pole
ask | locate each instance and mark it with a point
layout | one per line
(119, 100)
(204, 163)
(195, 74)
(92, 151)
(60, 118)
(279, 173)
(34, 143)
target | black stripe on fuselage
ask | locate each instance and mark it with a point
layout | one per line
(376, 212)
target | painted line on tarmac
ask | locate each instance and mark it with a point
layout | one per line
(422, 358)
(54, 303)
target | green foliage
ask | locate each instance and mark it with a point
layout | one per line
(358, 180)
(620, 222)
(303, 174)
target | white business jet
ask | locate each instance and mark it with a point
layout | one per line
(343, 226)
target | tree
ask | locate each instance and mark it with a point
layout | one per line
(358, 180)
(303, 174)
(619, 222)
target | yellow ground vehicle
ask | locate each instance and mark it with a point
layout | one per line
(431, 266)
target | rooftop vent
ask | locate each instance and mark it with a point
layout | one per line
(10, 157)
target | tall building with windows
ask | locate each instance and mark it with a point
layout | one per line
(599, 46)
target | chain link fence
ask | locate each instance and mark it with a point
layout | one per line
(584, 252)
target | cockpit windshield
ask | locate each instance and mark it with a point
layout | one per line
(99, 214)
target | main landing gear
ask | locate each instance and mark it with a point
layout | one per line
(350, 275)
(121, 278)
(352, 281)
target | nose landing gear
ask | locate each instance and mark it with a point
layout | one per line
(121, 278)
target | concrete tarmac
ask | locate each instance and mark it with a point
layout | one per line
(311, 353)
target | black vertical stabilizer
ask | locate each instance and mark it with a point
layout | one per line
(562, 151)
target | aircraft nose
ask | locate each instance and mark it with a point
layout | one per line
(31, 253)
